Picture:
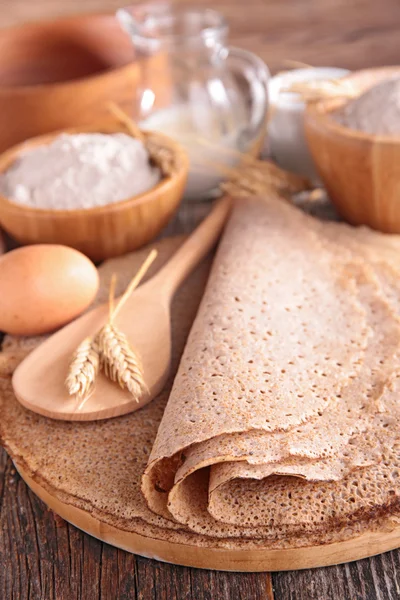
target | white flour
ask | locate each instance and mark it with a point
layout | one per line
(80, 171)
(377, 111)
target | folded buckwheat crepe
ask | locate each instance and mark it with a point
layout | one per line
(287, 376)
(280, 428)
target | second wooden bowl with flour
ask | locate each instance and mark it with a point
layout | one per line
(103, 231)
(361, 171)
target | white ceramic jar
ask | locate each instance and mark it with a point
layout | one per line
(286, 140)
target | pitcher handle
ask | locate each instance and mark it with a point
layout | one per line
(257, 75)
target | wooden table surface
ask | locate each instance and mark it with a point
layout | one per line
(43, 557)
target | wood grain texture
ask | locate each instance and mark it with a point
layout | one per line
(376, 578)
(42, 557)
(343, 33)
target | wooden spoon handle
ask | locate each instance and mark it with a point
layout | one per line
(194, 249)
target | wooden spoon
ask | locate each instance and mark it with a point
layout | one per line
(39, 381)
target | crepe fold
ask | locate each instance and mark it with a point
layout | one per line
(287, 384)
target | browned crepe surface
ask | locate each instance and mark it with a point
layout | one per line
(98, 466)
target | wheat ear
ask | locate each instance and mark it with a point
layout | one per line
(118, 359)
(87, 362)
(109, 349)
(83, 369)
(129, 123)
(120, 362)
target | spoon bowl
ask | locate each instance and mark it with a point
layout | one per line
(48, 365)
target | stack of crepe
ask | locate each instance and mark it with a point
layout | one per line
(281, 427)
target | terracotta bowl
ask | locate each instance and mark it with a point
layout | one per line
(60, 74)
(361, 172)
(100, 232)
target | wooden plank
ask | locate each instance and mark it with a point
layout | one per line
(347, 33)
(377, 578)
(41, 556)
(211, 585)
(44, 557)
(158, 581)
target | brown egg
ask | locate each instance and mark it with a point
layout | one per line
(43, 287)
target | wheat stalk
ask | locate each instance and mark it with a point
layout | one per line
(162, 156)
(319, 90)
(260, 179)
(118, 359)
(108, 349)
(132, 285)
(120, 362)
(83, 369)
(250, 177)
(129, 123)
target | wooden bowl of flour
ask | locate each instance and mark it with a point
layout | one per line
(103, 231)
(61, 73)
(360, 171)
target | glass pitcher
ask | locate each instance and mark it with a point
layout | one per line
(210, 98)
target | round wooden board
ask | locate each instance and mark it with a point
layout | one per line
(368, 544)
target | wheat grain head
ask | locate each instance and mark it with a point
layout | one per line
(83, 368)
(120, 362)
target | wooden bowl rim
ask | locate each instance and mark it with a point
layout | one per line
(23, 89)
(10, 155)
(320, 111)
